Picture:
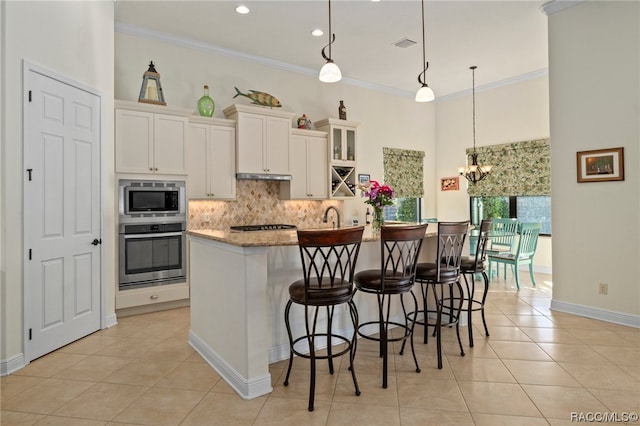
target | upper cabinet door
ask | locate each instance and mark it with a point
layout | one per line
(170, 148)
(277, 145)
(197, 183)
(222, 162)
(251, 134)
(134, 141)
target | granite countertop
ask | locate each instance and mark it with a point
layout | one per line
(271, 238)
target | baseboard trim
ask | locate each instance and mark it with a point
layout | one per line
(596, 313)
(111, 320)
(12, 364)
(247, 389)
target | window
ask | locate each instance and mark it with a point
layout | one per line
(524, 208)
(519, 185)
(405, 210)
(403, 172)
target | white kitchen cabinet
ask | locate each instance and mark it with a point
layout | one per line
(308, 155)
(262, 136)
(150, 139)
(212, 159)
(342, 156)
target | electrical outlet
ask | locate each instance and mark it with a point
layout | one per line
(207, 217)
(603, 288)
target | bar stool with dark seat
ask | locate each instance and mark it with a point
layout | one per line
(443, 272)
(399, 250)
(328, 264)
(472, 265)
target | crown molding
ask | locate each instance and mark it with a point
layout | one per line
(555, 6)
(496, 84)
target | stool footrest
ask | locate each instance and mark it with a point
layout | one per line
(329, 340)
(407, 331)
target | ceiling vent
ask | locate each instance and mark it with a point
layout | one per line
(404, 43)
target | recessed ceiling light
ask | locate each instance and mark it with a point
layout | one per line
(317, 32)
(243, 10)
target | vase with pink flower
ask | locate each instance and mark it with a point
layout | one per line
(378, 196)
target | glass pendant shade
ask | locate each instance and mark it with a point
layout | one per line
(330, 73)
(425, 94)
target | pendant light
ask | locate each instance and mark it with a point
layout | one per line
(475, 172)
(330, 73)
(424, 93)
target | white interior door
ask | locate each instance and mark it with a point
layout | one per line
(62, 214)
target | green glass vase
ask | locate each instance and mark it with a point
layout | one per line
(206, 106)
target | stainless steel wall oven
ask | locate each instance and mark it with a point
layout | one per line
(152, 217)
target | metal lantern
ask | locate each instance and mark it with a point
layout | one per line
(151, 90)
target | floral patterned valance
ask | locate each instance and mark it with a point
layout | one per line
(403, 171)
(520, 168)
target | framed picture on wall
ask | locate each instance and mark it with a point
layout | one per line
(450, 183)
(364, 179)
(600, 165)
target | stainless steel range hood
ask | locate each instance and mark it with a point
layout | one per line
(262, 176)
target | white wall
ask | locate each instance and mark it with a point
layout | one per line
(594, 63)
(75, 40)
(386, 120)
(512, 113)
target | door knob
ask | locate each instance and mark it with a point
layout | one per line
(96, 241)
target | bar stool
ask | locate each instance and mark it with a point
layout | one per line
(399, 250)
(472, 265)
(444, 271)
(328, 265)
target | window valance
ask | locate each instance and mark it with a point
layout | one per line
(403, 171)
(519, 168)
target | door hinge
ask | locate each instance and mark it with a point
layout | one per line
(29, 95)
(30, 335)
(30, 254)
(29, 171)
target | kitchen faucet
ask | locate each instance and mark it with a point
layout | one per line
(326, 215)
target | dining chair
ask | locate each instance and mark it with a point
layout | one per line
(472, 266)
(523, 255)
(328, 265)
(443, 272)
(399, 250)
(502, 239)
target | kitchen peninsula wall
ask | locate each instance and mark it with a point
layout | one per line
(258, 202)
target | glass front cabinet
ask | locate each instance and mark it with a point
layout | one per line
(342, 156)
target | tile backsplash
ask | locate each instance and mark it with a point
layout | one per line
(257, 202)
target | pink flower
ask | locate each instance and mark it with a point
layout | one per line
(378, 195)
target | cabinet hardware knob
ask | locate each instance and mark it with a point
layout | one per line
(153, 297)
(151, 168)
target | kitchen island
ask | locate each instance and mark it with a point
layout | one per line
(239, 288)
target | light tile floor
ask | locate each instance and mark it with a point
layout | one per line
(537, 368)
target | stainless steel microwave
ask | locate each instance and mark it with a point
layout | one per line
(151, 198)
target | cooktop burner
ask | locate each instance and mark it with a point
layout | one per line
(269, 227)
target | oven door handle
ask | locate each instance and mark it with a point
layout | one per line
(151, 234)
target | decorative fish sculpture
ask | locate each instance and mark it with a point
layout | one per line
(260, 98)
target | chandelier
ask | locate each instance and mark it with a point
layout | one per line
(474, 173)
